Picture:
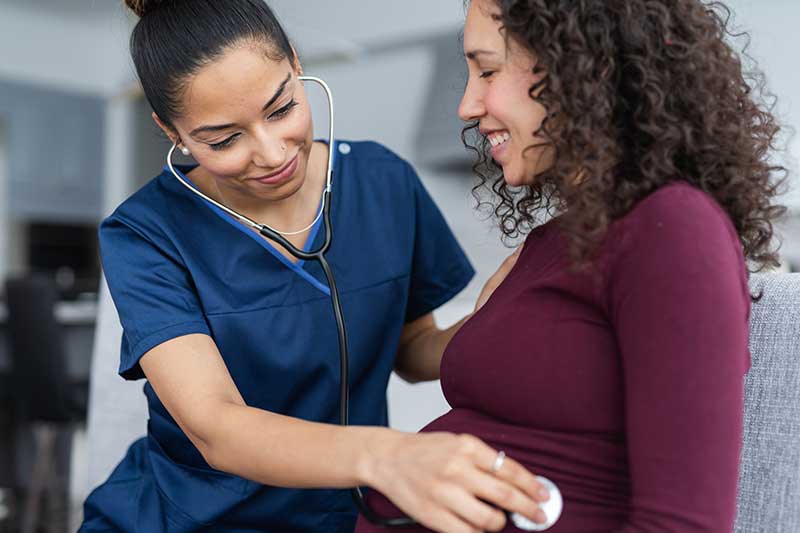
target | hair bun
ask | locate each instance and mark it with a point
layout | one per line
(142, 7)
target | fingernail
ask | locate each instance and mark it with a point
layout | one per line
(544, 494)
(540, 517)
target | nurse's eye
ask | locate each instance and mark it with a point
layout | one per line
(224, 144)
(486, 74)
(284, 110)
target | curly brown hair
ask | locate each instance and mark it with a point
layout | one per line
(638, 93)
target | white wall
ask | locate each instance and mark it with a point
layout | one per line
(368, 22)
(118, 165)
(78, 45)
(774, 25)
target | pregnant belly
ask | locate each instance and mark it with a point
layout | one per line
(589, 470)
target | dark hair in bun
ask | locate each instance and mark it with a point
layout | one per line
(175, 38)
(142, 7)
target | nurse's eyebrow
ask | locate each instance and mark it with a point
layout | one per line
(474, 54)
(278, 93)
(220, 127)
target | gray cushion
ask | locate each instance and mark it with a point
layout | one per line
(769, 484)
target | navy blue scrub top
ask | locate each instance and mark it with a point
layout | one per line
(176, 266)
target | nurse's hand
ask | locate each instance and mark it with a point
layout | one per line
(444, 481)
(497, 278)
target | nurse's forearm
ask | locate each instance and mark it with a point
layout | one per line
(421, 349)
(287, 452)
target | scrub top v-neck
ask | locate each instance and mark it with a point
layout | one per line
(176, 266)
(296, 266)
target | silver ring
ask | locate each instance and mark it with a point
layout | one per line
(498, 462)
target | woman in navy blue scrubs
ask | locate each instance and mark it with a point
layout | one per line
(237, 340)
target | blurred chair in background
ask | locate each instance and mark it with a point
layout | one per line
(47, 398)
(7, 452)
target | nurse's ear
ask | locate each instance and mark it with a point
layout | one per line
(170, 133)
(298, 68)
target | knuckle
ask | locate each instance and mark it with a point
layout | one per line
(518, 474)
(467, 528)
(489, 520)
(427, 509)
(468, 444)
(453, 467)
(438, 492)
(513, 468)
(503, 493)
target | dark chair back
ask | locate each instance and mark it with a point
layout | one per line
(39, 369)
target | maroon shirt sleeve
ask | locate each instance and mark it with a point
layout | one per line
(680, 305)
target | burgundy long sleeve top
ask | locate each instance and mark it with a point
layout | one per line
(624, 387)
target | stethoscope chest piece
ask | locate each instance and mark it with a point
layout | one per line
(551, 508)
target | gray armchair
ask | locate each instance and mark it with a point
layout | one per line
(769, 481)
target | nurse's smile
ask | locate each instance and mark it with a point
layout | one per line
(280, 176)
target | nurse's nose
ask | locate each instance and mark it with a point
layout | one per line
(269, 152)
(471, 107)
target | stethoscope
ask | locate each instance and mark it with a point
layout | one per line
(319, 256)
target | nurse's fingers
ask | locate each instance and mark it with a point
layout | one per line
(441, 519)
(463, 506)
(505, 495)
(508, 470)
(517, 475)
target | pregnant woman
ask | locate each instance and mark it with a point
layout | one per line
(611, 359)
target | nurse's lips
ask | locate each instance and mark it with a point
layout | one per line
(279, 176)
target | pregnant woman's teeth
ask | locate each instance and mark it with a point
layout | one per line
(496, 139)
